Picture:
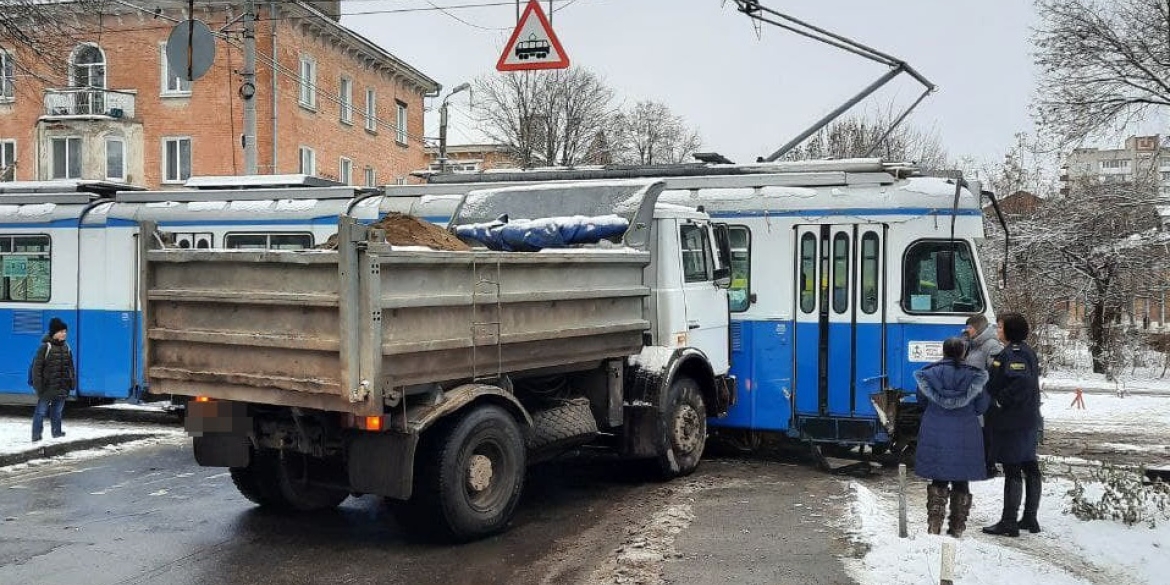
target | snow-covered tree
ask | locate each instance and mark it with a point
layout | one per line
(650, 133)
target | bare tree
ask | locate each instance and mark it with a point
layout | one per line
(41, 34)
(1104, 64)
(1098, 244)
(546, 117)
(853, 136)
(649, 133)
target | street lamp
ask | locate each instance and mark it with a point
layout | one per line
(443, 125)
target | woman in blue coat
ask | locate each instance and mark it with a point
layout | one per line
(950, 439)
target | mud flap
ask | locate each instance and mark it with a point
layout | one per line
(222, 450)
(641, 435)
(383, 464)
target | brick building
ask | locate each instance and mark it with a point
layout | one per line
(329, 102)
(470, 158)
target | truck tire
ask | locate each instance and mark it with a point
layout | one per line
(685, 425)
(561, 428)
(275, 483)
(470, 480)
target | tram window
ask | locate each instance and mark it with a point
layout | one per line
(268, 241)
(198, 241)
(808, 273)
(921, 293)
(696, 253)
(869, 273)
(26, 269)
(840, 273)
(739, 294)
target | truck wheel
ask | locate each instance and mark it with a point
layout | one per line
(560, 428)
(472, 479)
(685, 421)
(277, 483)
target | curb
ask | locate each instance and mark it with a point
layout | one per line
(58, 449)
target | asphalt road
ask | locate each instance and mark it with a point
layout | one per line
(150, 515)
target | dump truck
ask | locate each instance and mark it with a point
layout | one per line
(434, 378)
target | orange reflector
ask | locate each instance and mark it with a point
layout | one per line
(202, 399)
(373, 423)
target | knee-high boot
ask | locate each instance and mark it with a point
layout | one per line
(1032, 486)
(1013, 492)
(960, 508)
(936, 507)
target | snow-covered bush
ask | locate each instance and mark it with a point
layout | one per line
(1124, 496)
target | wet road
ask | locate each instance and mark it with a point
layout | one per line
(151, 515)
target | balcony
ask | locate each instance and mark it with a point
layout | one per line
(88, 102)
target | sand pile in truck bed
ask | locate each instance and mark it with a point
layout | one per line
(407, 230)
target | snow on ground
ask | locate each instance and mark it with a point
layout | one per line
(1096, 383)
(1069, 551)
(16, 432)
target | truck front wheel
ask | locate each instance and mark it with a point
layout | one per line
(471, 478)
(685, 421)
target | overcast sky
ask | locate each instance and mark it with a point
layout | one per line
(747, 95)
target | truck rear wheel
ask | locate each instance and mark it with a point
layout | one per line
(471, 476)
(560, 428)
(279, 483)
(685, 421)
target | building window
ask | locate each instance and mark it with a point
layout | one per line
(400, 181)
(7, 160)
(371, 110)
(1115, 164)
(172, 84)
(26, 273)
(7, 76)
(66, 158)
(115, 159)
(176, 160)
(308, 81)
(308, 161)
(88, 67)
(371, 177)
(345, 171)
(293, 241)
(346, 100)
(400, 122)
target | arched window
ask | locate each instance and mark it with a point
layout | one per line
(87, 67)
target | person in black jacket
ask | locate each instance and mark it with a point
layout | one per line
(53, 377)
(1014, 421)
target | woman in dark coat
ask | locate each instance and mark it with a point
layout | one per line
(950, 439)
(1014, 422)
(53, 377)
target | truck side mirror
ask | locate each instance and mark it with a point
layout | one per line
(944, 270)
(723, 277)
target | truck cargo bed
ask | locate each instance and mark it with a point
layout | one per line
(348, 330)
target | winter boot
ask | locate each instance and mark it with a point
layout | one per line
(1032, 482)
(960, 508)
(1013, 492)
(936, 507)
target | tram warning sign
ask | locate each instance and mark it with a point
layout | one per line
(533, 45)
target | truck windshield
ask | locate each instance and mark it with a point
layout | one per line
(921, 293)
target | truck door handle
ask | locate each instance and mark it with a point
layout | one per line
(692, 324)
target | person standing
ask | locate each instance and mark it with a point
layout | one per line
(950, 442)
(1014, 421)
(984, 344)
(53, 377)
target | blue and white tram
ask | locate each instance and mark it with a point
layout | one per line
(78, 254)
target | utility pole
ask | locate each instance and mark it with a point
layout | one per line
(248, 88)
(443, 125)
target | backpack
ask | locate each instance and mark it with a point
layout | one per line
(31, 365)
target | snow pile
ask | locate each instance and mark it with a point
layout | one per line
(1067, 552)
(16, 432)
(528, 235)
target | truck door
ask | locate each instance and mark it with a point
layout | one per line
(706, 304)
(839, 328)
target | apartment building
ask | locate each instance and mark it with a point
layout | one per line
(329, 102)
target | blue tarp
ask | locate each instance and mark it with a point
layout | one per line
(527, 235)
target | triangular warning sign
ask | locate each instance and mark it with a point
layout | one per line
(533, 45)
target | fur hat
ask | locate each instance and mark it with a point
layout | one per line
(56, 325)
